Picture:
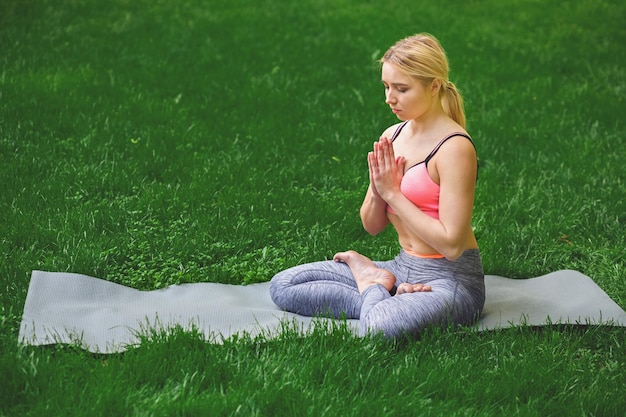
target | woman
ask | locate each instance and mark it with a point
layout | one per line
(422, 175)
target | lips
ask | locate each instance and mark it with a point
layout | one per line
(396, 111)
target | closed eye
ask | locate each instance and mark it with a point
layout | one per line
(400, 88)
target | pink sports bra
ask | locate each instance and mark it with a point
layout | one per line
(417, 184)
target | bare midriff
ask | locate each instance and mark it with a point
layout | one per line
(415, 246)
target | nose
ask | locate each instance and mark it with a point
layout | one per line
(389, 97)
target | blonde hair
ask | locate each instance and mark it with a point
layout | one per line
(422, 57)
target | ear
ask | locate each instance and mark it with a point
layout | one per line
(435, 86)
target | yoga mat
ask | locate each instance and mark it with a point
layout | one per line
(105, 317)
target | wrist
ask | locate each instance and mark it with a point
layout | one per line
(390, 197)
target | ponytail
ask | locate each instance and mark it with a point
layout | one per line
(452, 103)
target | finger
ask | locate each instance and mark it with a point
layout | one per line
(371, 161)
(370, 165)
(400, 164)
(374, 169)
(383, 147)
(376, 150)
(379, 150)
(387, 158)
(389, 148)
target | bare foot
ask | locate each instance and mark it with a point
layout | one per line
(406, 288)
(365, 272)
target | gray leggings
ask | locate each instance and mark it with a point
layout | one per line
(328, 287)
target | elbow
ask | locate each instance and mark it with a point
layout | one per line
(453, 246)
(374, 226)
(372, 230)
(452, 255)
(453, 252)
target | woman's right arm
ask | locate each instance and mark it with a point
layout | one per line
(374, 212)
(374, 208)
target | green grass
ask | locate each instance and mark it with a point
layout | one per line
(151, 143)
(516, 372)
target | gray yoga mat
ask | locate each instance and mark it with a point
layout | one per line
(106, 317)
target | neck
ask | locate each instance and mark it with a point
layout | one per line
(430, 120)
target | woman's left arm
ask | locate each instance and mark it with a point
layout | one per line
(455, 164)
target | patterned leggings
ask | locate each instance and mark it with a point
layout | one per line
(457, 297)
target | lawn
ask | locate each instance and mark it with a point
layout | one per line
(151, 143)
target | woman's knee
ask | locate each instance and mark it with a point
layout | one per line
(278, 284)
(409, 314)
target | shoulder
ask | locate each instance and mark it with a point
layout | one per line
(388, 133)
(458, 141)
(457, 149)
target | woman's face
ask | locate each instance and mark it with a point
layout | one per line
(407, 97)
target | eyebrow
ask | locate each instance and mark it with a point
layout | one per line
(396, 84)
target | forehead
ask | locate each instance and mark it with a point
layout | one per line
(392, 75)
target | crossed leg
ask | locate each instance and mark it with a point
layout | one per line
(366, 273)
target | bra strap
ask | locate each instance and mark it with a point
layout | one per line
(444, 140)
(398, 130)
